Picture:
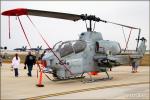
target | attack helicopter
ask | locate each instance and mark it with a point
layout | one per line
(90, 53)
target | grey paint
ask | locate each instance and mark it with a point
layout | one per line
(87, 59)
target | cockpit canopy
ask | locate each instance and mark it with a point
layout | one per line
(69, 47)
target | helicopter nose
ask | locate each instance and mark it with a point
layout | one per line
(44, 63)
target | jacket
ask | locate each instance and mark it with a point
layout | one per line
(15, 62)
(30, 60)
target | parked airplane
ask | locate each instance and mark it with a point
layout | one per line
(47, 49)
(36, 49)
(24, 48)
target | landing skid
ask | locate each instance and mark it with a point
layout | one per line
(73, 78)
(83, 78)
(96, 80)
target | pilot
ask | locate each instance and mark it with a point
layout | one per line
(30, 60)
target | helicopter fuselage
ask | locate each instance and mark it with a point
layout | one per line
(79, 56)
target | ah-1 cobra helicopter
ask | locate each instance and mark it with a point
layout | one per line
(90, 53)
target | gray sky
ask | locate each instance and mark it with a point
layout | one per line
(133, 13)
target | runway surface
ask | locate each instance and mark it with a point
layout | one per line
(123, 92)
(123, 82)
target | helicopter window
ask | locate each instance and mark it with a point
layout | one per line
(82, 33)
(99, 49)
(96, 47)
(79, 46)
(66, 49)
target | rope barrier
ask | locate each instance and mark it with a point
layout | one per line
(124, 35)
(128, 40)
(9, 25)
(23, 31)
(48, 45)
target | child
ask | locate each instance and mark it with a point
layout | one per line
(15, 64)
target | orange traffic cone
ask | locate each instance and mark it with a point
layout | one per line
(40, 80)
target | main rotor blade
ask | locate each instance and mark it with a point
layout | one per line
(59, 15)
(24, 11)
(66, 16)
(122, 25)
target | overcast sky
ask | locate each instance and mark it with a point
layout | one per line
(133, 13)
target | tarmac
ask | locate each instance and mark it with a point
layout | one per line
(138, 92)
(24, 87)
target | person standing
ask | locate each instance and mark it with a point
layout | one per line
(135, 65)
(15, 64)
(30, 60)
(1, 60)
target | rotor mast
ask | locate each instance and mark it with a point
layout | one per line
(91, 18)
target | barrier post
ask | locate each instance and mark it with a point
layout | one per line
(40, 79)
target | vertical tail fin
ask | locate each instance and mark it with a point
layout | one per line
(41, 47)
(139, 54)
(25, 47)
